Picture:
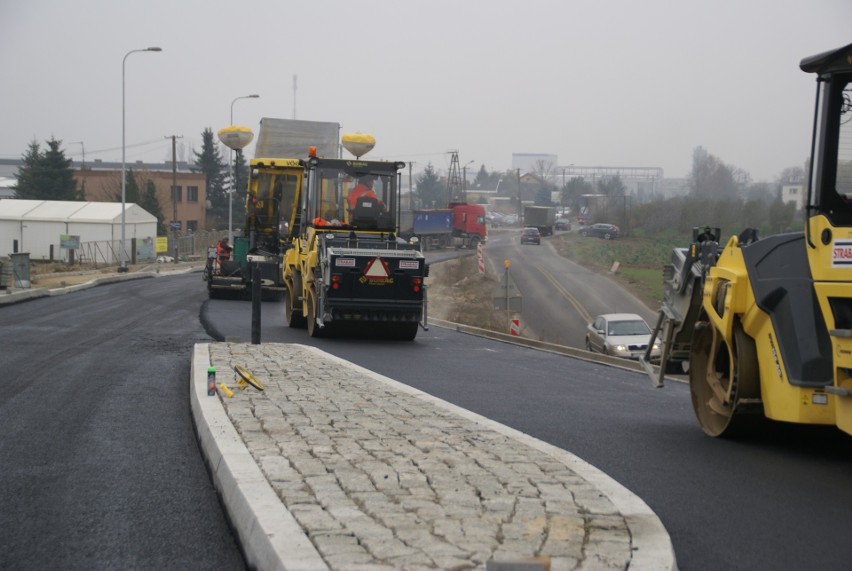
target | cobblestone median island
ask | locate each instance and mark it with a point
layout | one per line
(381, 477)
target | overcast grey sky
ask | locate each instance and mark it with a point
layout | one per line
(597, 82)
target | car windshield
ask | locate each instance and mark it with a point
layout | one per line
(628, 328)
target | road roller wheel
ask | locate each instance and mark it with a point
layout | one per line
(314, 330)
(292, 317)
(720, 376)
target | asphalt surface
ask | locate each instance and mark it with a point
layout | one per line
(99, 463)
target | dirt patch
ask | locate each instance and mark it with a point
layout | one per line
(459, 293)
(54, 275)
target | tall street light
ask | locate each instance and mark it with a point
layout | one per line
(123, 263)
(232, 168)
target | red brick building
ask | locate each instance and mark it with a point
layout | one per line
(187, 206)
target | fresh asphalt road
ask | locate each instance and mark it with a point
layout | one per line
(99, 465)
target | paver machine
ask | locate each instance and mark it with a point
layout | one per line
(765, 324)
(347, 271)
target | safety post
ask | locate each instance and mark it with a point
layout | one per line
(255, 304)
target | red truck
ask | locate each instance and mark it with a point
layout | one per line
(461, 225)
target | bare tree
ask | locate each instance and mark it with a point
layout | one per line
(792, 175)
(711, 178)
(543, 170)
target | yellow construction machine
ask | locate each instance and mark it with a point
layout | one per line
(765, 325)
(273, 191)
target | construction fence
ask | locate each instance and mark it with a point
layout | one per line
(136, 250)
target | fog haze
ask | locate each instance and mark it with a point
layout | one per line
(597, 83)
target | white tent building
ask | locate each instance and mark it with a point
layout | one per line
(42, 227)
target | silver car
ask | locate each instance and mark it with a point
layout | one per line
(621, 335)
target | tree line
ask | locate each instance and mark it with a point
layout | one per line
(719, 194)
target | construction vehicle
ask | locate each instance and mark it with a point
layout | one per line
(273, 188)
(766, 324)
(347, 270)
(272, 195)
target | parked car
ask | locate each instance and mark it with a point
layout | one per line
(530, 236)
(562, 224)
(621, 335)
(605, 231)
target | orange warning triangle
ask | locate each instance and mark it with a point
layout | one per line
(376, 270)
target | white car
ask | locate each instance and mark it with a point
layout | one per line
(621, 335)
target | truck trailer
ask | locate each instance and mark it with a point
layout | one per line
(541, 217)
(460, 225)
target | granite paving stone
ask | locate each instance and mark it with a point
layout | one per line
(379, 477)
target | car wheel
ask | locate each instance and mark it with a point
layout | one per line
(583, 233)
(607, 236)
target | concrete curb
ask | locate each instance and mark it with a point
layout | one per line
(269, 535)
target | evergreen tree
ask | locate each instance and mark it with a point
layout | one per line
(150, 203)
(430, 192)
(146, 199)
(131, 188)
(481, 180)
(573, 192)
(29, 173)
(209, 162)
(47, 175)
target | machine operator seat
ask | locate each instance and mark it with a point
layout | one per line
(366, 213)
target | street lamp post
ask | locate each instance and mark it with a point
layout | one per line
(122, 267)
(232, 170)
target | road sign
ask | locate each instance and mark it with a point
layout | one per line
(507, 295)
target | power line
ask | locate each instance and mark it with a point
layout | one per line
(142, 144)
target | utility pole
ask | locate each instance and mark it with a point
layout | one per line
(454, 187)
(410, 187)
(520, 208)
(82, 165)
(464, 180)
(174, 139)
